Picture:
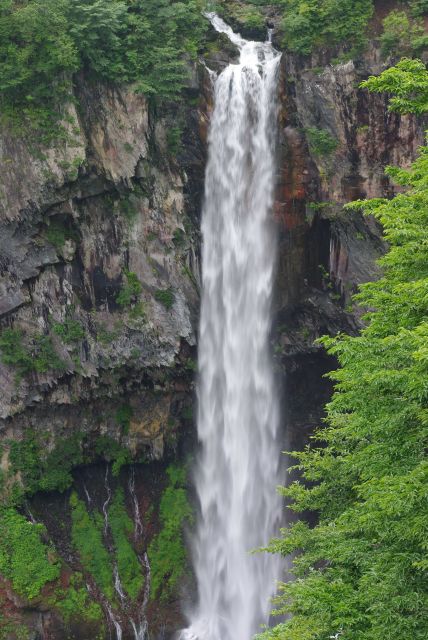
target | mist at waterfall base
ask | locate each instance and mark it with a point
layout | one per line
(238, 414)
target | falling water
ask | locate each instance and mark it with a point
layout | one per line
(107, 500)
(140, 630)
(238, 467)
(138, 525)
(115, 623)
(88, 497)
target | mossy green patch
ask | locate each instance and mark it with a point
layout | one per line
(45, 472)
(165, 297)
(25, 559)
(75, 603)
(167, 552)
(129, 291)
(123, 416)
(70, 331)
(128, 564)
(29, 354)
(113, 452)
(321, 142)
(87, 538)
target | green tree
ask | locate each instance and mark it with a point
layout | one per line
(309, 24)
(402, 35)
(408, 84)
(43, 43)
(361, 571)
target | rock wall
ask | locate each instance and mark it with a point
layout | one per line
(99, 296)
(335, 141)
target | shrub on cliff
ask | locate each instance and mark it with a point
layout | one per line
(361, 571)
(24, 558)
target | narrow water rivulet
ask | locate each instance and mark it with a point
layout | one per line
(238, 414)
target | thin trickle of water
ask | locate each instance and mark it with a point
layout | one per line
(147, 584)
(140, 632)
(238, 413)
(107, 501)
(114, 622)
(141, 629)
(88, 497)
(118, 584)
(138, 524)
(30, 515)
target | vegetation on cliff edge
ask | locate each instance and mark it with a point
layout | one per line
(45, 43)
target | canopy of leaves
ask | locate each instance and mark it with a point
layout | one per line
(309, 24)
(44, 42)
(408, 84)
(361, 571)
(403, 35)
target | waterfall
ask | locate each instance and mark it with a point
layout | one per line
(238, 465)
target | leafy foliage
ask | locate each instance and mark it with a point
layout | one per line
(130, 291)
(245, 15)
(361, 571)
(87, 538)
(44, 42)
(408, 84)
(419, 7)
(41, 471)
(309, 24)
(403, 35)
(167, 553)
(112, 451)
(165, 297)
(24, 558)
(128, 564)
(69, 331)
(58, 233)
(321, 142)
(123, 416)
(75, 603)
(36, 355)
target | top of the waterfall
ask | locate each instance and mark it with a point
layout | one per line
(221, 27)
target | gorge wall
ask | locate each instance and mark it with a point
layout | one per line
(99, 299)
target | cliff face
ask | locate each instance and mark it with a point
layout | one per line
(335, 141)
(99, 247)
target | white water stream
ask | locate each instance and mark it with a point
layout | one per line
(238, 414)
